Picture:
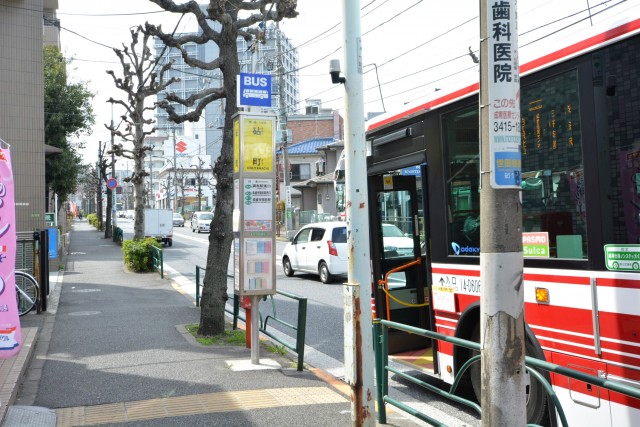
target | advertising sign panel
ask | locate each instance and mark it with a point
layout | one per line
(10, 334)
(504, 96)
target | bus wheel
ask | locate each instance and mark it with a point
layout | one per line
(535, 393)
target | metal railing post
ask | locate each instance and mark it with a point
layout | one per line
(382, 416)
(198, 286)
(300, 333)
(236, 310)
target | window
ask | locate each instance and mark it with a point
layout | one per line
(316, 234)
(300, 172)
(339, 235)
(552, 169)
(460, 131)
(303, 236)
(553, 202)
(617, 107)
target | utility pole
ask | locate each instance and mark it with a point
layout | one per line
(99, 197)
(501, 261)
(113, 174)
(283, 129)
(358, 337)
(153, 199)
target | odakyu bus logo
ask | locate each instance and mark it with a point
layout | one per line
(464, 250)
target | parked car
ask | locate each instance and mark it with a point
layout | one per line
(319, 248)
(395, 242)
(201, 221)
(178, 220)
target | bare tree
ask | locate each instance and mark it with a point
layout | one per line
(235, 18)
(199, 180)
(140, 80)
(181, 183)
(104, 163)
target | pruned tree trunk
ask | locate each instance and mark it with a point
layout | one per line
(214, 294)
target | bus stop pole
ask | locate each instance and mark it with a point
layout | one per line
(358, 326)
(502, 336)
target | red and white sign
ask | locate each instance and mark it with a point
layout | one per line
(181, 147)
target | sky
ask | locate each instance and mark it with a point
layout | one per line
(412, 49)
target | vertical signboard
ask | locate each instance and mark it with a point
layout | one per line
(10, 337)
(254, 204)
(504, 95)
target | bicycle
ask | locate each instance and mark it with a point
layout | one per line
(27, 292)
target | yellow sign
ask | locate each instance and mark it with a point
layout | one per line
(258, 145)
(236, 146)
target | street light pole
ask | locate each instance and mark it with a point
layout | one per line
(358, 339)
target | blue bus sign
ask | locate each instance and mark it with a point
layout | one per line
(254, 90)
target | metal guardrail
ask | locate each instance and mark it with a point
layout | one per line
(158, 265)
(381, 328)
(300, 327)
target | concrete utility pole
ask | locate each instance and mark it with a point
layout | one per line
(283, 128)
(501, 262)
(358, 337)
(113, 174)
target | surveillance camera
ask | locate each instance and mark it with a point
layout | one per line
(334, 70)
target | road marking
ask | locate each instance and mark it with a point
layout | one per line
(195, 239)
(207, 403)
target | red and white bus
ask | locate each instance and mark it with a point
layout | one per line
(581, 219)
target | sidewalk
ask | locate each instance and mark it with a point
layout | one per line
(111, 351)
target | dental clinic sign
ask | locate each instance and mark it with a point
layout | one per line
(254, 90)
(504, 95)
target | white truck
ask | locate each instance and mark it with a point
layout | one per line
(158, 224)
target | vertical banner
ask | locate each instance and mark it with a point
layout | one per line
(504, 96)
(10, 337)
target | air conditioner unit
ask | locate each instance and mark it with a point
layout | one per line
(320, 168)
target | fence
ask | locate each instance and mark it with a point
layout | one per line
(310, 217)
(300, 327)
(533, 365)
(157, 260)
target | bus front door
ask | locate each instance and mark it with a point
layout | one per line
(398, 253)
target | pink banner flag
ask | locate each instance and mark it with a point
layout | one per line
(10, 336)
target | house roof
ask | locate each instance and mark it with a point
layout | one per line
(313, 182)
(310, 146)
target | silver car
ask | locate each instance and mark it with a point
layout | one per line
(201, 222)
(178, 220)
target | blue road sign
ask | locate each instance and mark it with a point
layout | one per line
(254, 90)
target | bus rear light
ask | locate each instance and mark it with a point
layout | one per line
(332, 248)
(449, 369)
(542, 295)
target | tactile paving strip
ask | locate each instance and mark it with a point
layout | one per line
(195, 404)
